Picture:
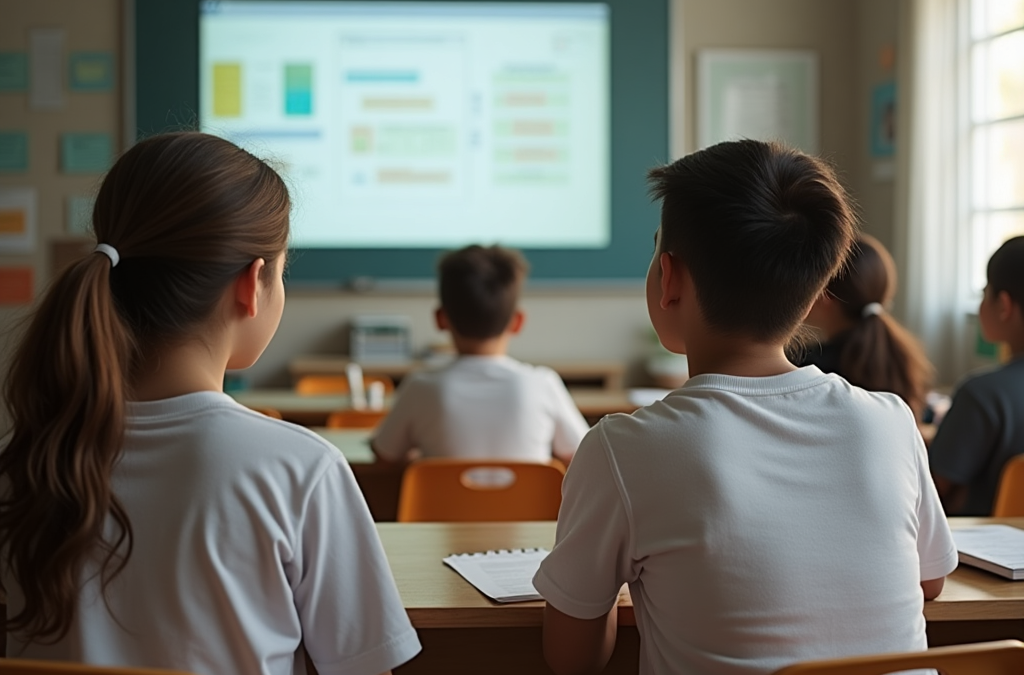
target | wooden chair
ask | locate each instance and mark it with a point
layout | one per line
(32, 667)
(470, 490)
(273, 413)
(311, 385)
(1010, 495)
(1004, 657)
(355, 419)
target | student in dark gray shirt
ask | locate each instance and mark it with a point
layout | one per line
(984, 427)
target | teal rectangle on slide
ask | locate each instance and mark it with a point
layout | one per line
(13, 151)
(298, 89)
(85, 152)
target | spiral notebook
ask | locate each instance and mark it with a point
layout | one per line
(503, 576)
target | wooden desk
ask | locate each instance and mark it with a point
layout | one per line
(975, 605)
(354, 444)
(461, 629)
(609, 375)
(313, 410)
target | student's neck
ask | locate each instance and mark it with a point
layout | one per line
(181, 369)
(497, 346)
(723, 355)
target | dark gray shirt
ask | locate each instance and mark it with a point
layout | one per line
(982, 430)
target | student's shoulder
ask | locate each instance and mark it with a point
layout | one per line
(991, 380)
(267, 437)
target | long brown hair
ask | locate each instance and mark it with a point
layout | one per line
(879, 354)
(187, 213)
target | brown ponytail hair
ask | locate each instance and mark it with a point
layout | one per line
(879, 354)
(187, 213)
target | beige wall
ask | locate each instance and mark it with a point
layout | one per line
(580, 324)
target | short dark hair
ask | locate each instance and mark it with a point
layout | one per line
(761, 228)
(480, 289)
(1006, 269)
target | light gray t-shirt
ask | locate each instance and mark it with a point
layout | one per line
(758, 522)
(983, 429)
(483, 407)
(250, 537)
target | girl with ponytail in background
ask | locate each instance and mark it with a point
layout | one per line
(863, 343)
(147, 519)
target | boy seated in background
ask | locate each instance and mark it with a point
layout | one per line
(984, 427)
(485, 404)
(762, 514)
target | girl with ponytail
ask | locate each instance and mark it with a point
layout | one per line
(863, 342)
(146, 519)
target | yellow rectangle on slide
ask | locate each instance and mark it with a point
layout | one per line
(12, 221)
(227, 89)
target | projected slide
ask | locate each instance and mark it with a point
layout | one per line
(420, 124)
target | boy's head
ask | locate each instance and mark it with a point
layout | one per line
(479, 290)
(759, 228)
(1002, 307)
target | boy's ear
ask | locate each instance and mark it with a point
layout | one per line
(515, 324)
(247, 287)
(1005, 306)
(441, 319)
(674, 280)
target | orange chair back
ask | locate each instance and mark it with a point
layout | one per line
(1004, 657)
(33, 667)
(461, 490)
(311, 385)
(355, 419)
(1010, 495)
(269, 412)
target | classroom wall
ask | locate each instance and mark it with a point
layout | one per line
(569, 324)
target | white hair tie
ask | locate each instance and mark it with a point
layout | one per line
(872, 309)
(110, 252)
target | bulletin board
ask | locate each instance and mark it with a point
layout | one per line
(760, 94)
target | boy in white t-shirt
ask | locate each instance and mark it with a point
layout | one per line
(485, 404)
(762, 514)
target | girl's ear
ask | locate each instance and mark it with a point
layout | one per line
(247, 288)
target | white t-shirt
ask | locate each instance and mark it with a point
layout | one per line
(482, 407)
(250, 537)
(758, 522)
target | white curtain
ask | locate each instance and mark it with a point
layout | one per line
(932, 192)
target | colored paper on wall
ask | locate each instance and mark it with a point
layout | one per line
(91, 71)
(13, 71)
(85, 152)
(79, 214)
(46, 60)
(17, 219)
(15, 285)
(883, 120)
(13, 151)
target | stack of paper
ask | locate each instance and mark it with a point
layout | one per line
(504, 576)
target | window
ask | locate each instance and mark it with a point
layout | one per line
(996, 129)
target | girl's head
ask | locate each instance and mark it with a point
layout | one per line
(877, 353)
(868, 279)
(188, 215)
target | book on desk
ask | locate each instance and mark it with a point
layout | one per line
(994, 548)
